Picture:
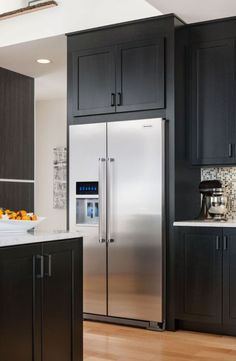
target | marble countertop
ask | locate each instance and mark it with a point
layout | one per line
(198, 223)
(15, 239)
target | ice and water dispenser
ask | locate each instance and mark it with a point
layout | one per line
(87, 203)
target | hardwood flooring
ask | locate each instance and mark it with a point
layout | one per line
(104, 342)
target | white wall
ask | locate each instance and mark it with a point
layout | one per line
(10, 5)
(70, 15)
(50, 133)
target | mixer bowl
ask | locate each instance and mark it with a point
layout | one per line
(218, 207)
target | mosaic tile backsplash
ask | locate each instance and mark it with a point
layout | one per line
(228, 178)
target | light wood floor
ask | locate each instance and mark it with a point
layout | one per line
(117, 343)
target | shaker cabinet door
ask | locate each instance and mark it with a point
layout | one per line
(212, 103)
(199, 274)
(62, 301)
(229, 277)
(20, 303)
(93, 82)
(140, 75)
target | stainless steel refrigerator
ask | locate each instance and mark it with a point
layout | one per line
(116, 198)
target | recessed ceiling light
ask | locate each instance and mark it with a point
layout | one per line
(44, 61)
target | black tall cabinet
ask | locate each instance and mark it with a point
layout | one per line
(17, 105)
(136, 70)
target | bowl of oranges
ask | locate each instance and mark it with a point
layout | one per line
(18, 221)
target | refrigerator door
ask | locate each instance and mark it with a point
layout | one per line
(135, 216)
(87, 164)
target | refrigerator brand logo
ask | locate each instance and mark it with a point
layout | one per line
(147, 126)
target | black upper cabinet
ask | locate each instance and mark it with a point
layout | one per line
(140, 76)
(229, 277)
(93, 82)
(120, 78)
(199, 272)
(212, 104)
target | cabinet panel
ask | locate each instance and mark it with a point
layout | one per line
(93, 82)
(62, 301)
(17, 196)
(212, 106)
(19, 311)
(199, 270)
(17, 125)
(229, 277)
(140, 75)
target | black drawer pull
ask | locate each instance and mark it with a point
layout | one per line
(230, 150)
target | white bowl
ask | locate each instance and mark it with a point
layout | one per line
(12, 225)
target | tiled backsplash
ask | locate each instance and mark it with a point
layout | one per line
(228, 178)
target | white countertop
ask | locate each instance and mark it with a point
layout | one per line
(198, 223)
(14, 239)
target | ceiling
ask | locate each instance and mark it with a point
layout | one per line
(50, 79)
(194, 11)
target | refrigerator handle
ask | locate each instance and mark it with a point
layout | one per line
(110, 193)
(101, 164)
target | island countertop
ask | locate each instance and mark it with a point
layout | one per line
(8, 239)
(198, 223)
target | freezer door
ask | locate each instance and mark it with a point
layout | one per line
(87, 164)
(135, 216)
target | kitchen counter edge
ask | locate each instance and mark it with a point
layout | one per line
(196, 223)
(8, 239)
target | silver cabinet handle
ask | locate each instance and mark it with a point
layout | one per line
(119, 103)
(230, 150)
(102, 199)
(225, 243)
(110, 239)
(217, 243)
(48, 273)
(39, 258)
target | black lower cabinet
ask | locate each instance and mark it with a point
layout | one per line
(199, 284)
(229, 278)
(19, 296)
(61, 302)
(41, 302)
(205, 279)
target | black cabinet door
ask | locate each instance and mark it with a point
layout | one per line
(229, 278)
(93, 85)
(199, 274)
(140, 76)
(62, 301)
(19, 309)
(212, 105)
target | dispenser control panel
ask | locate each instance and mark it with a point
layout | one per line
(84, 188)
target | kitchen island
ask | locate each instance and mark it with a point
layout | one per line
(41, 296)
